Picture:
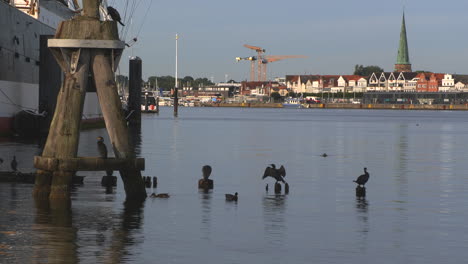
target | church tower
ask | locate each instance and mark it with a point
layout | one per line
(403, 63)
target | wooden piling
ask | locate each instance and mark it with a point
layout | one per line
(277, 188)
(360, 191)
(115, 122)
(155, 182)
(63, 137)
(176, 101)
(207, 184)
(134, 91)
(109, 181)
(286, 188)
(75, 61)
(157, 105)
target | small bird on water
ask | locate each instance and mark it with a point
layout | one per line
(361, 180)
(206, 170)
(102, 149)
(273, 172)
(14, 164)
(114, 14)
(231, 198)
(159, 195)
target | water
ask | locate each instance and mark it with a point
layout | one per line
(414, 212)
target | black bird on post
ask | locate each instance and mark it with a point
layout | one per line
(14, 164)
(361, 180)
(114, 14)
(278, 174)
(103, 152)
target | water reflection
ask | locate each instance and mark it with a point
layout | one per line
(56, 235)
(205, 195)
(274, 218)
(362, 210)
(124, 234)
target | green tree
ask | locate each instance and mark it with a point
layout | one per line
(276, 96)
(366, 70)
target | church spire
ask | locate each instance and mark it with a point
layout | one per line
(403, 63)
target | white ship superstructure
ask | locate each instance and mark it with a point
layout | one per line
(23, 22)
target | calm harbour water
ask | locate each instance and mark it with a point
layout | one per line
(415, 210)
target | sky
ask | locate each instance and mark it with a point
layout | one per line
(335, 35)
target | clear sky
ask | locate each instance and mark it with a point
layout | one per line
(334, 34)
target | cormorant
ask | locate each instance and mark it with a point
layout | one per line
(114, 14)
(14, 164)
(278, 174)
(361, 180)
(103, 152)
(206, 170)
(230, 197)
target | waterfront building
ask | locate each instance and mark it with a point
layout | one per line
(262, 88)
(325, 83)
(428, 82)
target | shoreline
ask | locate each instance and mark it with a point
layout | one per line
(348, 106)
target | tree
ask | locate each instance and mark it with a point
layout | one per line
(276, 96)
(366, 70)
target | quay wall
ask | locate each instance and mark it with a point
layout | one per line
(349, 106)
(393, 106)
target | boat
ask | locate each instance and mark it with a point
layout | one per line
(23, 24)
(292, 103)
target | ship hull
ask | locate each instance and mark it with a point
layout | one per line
(20, 61)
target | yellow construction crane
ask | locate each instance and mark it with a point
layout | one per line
(272, 58)
(252, 60)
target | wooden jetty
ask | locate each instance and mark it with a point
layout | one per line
(86, 49)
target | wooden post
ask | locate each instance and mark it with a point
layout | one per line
(115, 122)
(157, 104)
(134, 91)
(360, 191)
(286, 188)
(155, 182)
(63, 138)
(176, 101)
(277, 188)
(205, 184)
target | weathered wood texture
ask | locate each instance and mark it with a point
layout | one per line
(63, 138)
(87, 164)
(115, 122)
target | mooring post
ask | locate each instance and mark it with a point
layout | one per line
(157, 105)
(360, 191)
(277, 188)
(79, 43)
(134, 91)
